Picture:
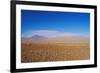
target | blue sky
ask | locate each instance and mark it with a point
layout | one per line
(51, 22)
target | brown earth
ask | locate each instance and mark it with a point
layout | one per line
(43, 51)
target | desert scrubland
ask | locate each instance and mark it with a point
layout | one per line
(55, 49)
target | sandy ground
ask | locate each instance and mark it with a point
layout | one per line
(44, 51)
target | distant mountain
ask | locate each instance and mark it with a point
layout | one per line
(67, 39)
(37, 37)
(34, 37)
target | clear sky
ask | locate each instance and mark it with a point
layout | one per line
(69, 22)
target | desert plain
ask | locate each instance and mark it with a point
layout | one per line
(55, 49)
